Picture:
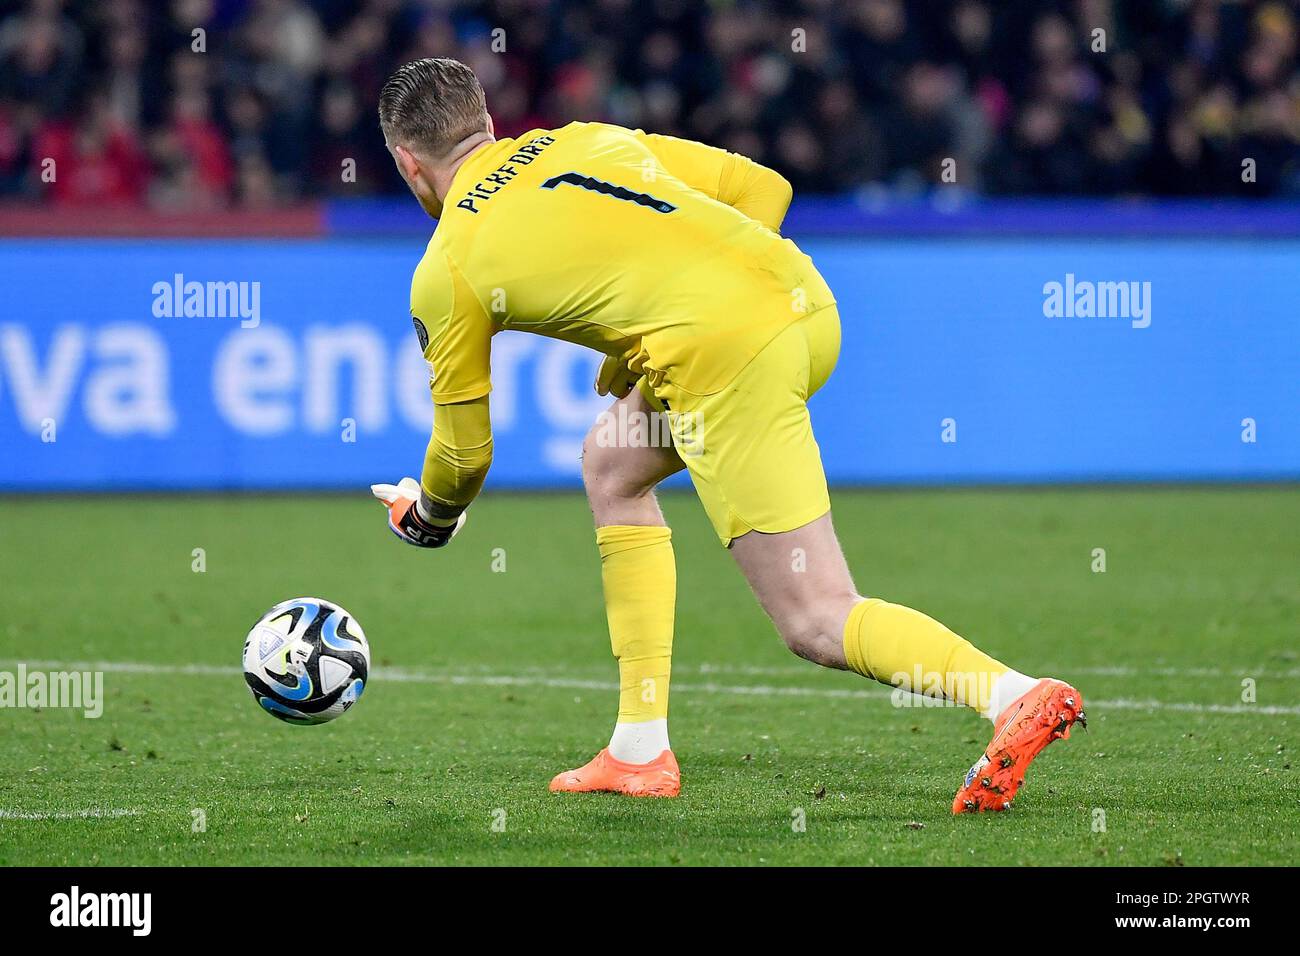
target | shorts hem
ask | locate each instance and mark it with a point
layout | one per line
(778, 527)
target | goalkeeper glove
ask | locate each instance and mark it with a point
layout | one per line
(404, 518)
(614, 378)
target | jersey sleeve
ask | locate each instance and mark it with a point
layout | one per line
(758, 192)
(458, 456)
(454, 330)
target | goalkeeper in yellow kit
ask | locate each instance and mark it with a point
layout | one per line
(665, 256)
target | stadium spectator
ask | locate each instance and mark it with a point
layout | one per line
(92, 158)
(1056, 97)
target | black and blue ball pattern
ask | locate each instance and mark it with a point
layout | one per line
(306, 661)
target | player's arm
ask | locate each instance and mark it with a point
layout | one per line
(455, 334)
(760, 193)
(456, 461)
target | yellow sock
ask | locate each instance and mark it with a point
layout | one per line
(640, 580)
(904, 648)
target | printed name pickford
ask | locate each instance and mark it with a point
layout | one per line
(504, 174)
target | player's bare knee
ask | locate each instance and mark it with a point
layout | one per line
(813, 628)
(606, 472)
(809, 637)
(598, 466)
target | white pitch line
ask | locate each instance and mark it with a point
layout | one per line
(1237, 672)
(703, 670)
(1127, 703)
(1091, 671)
(66, 814)
(707, 669)
(405, 675)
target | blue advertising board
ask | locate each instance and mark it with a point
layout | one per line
(146, 364)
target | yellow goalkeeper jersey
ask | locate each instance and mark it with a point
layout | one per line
(620, 241)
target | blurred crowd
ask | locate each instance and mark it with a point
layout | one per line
(202, 104)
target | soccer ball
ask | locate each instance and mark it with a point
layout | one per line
(306, 661)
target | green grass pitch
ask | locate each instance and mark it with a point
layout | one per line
(489, 681)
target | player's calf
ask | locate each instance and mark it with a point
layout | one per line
(801, 580)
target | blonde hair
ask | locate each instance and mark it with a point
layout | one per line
(432, 104)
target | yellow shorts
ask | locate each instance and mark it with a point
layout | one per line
(749, 447)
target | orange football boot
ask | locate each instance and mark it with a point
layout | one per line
(660, 777)
(1022, 730)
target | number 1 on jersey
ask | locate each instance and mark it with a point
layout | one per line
(609, 189)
